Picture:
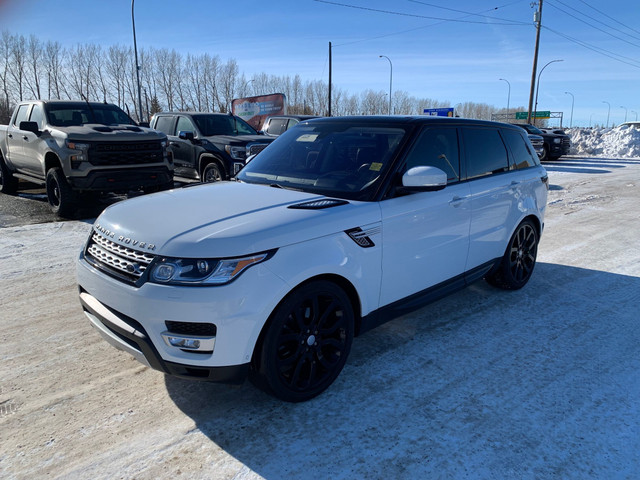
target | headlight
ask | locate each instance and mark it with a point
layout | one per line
(237, 153)
(557, 140)
(77, 146)
(202, 271)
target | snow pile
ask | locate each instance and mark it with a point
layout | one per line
(622, 141)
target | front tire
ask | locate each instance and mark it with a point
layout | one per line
(545, 153)
(519, 260)
(307, 342)
(62, 199)
(212, 173)
(8, 183)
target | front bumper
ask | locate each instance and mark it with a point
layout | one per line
(122, 179)
(134, 319)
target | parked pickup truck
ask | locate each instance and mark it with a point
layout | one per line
(209, 146)
(76, 147)
(555, 145)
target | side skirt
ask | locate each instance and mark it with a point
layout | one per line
(418, 300)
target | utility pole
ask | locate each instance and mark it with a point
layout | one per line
(329, 79)
(135, 49)
(538, 19)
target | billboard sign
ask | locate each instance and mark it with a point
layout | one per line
(254, 110)
(439, 112)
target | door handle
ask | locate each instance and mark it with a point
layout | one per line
(10, 135)
(24, 137)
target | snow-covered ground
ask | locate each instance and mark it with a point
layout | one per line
(539, 383)
(619, 142)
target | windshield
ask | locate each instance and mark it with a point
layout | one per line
(76, 114)
(532, 129)
(210, 125)
(331, 158)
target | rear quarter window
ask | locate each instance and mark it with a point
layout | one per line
(522, 154)
(485, 152)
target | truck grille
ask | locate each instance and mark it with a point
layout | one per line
(125, 153)
(566, 143)
(122, 262)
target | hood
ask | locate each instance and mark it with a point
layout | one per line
(227, 219)
(99, 132)
(239, 139)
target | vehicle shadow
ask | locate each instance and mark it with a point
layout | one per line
(483, 380)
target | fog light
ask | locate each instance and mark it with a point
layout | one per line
(192, 343)
(182, 342)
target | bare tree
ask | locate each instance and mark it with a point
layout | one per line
(18, 48)
(35, 56)
(5, 67)
(53, 63)
(227, 82)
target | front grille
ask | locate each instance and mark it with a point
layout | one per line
(566, 143)
(257, 148)
(192, 328)
(122, 262)
(125, 153)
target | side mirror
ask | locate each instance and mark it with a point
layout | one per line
(182, 135)
(29, 127)
(144, 124)
(424, 179)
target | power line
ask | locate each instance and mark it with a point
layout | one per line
(597, 20)
(467, 13)
(632, 62)
(402, 14)
(609, 17)
(593, 26)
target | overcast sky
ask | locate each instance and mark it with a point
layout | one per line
(453, 51)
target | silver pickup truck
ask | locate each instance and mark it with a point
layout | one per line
(76, 147)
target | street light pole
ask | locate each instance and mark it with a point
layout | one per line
(625, 112)
(390, 79)
(535, 110)
(508, 94)
(608, 112)
(632, 111)
(135, 49)
(572, 99)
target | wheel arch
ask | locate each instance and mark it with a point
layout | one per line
(51, 160)
(338, 280)
(206, 158)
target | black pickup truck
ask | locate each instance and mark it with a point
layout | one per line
(555, 145)
(208, 146)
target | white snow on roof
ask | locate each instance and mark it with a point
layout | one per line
(622, 141)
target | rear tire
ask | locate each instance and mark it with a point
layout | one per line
(519, 260)
(8, 183)
(307, 342)
(62, 199)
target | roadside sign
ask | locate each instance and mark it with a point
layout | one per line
(541, 114)
(439, 112)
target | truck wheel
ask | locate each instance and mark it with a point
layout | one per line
(212, 173)
(62, 199)
(307, 342)
(545, 154)
(8, 183)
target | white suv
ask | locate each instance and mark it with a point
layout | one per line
(336, 227)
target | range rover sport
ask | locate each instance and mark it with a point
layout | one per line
(340, 225)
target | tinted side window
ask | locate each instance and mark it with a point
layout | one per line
(165, 124)
(437, 147)
(523, 156)
(21, 116)
(185, 125)
(277, 126)
(37, 116)
(485, 152)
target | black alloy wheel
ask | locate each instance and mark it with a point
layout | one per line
(519, 260)
(62, 199)
(212, 173)
(307, 343)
